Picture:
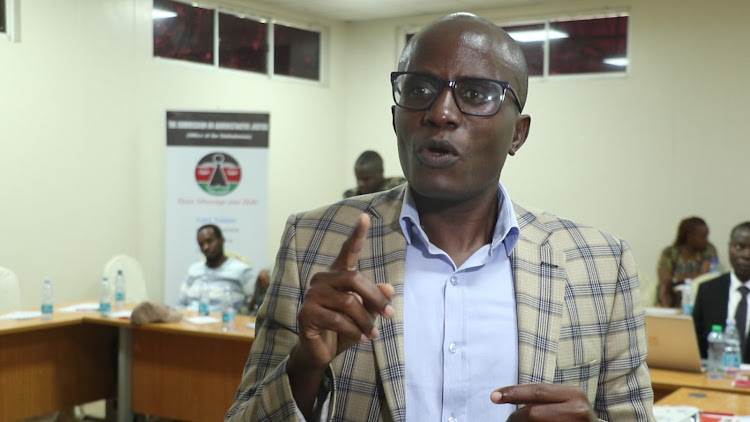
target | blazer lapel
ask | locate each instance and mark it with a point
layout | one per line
(539, 277)
(389, 243)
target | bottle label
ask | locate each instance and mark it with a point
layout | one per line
(105, 308)
(732, 362)
(203, 308)
(227, 316)
(120, 296)
(46, 308)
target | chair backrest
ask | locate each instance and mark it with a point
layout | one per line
(10, 291)
(238, 257)
(133, 272)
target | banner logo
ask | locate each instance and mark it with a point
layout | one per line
(218, 173)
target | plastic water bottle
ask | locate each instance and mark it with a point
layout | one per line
(105, 298)
(227, 311)
(204, 301)
(687, 297)
(120, 290)
(47, 304)
(716, 352)
(732, 349)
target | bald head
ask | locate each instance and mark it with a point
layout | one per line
(479, 34)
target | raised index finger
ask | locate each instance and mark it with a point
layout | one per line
(352, 247)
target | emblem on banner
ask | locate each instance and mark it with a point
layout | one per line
(218, 173)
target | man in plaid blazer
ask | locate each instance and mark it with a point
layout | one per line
(331, 340)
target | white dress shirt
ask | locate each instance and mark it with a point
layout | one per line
(460, 330)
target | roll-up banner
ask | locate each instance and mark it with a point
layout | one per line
(217, 173)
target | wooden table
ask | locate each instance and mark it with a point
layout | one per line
(175, 370)
(51, 365)
(189, 372)
(665, 382)
(709, 401)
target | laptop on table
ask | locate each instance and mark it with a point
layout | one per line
(672, 343)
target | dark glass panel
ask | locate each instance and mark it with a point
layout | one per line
(296, 52)
(189, 35)
(243, 43)
(532, 49)
(2, 16)
(589, 42)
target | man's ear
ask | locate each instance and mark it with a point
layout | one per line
(393, 118)
(523, 122)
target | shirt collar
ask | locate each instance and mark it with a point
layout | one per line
(735, 283)
(506, 228)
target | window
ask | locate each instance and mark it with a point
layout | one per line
(185, 32)
(243, 43)
(296, 52)
(533, 50)
(3, 24)
(582, 46)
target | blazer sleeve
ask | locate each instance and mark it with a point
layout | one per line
(624, 390)
(265, 393)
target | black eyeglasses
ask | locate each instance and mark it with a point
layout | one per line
(473, 96)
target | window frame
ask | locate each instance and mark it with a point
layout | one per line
(270, 23)
(11, 29)
(405, 30)
(546, 47)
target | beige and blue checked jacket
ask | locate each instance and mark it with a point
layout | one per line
(580, 320)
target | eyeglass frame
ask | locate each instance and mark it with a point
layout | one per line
(452, 85)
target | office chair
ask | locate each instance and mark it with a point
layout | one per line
(10, 291)
(133, 272)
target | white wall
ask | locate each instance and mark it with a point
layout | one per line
(82, 140)
(82, 106)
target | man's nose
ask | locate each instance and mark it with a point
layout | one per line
(445, 109)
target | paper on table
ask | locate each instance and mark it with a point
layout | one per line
(651, 310)
(202, 319)
(250, 325)
(121, 314)
(676, 413)
(22, 315)
(81, 307)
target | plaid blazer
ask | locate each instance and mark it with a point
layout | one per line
(580, 320)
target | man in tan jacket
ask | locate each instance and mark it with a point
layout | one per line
(442, 299)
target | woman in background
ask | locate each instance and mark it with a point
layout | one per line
(690, 256)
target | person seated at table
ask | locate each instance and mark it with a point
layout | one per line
(261, 287)
(726, 294)
(221, 272)
(690, 256)
(368, 169)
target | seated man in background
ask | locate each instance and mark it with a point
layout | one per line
(221, 272)
(726, 294)
(369, 173)
(261, 287)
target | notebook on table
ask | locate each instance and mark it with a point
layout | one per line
(672, 343)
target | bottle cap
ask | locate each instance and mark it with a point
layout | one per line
(716, 327)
